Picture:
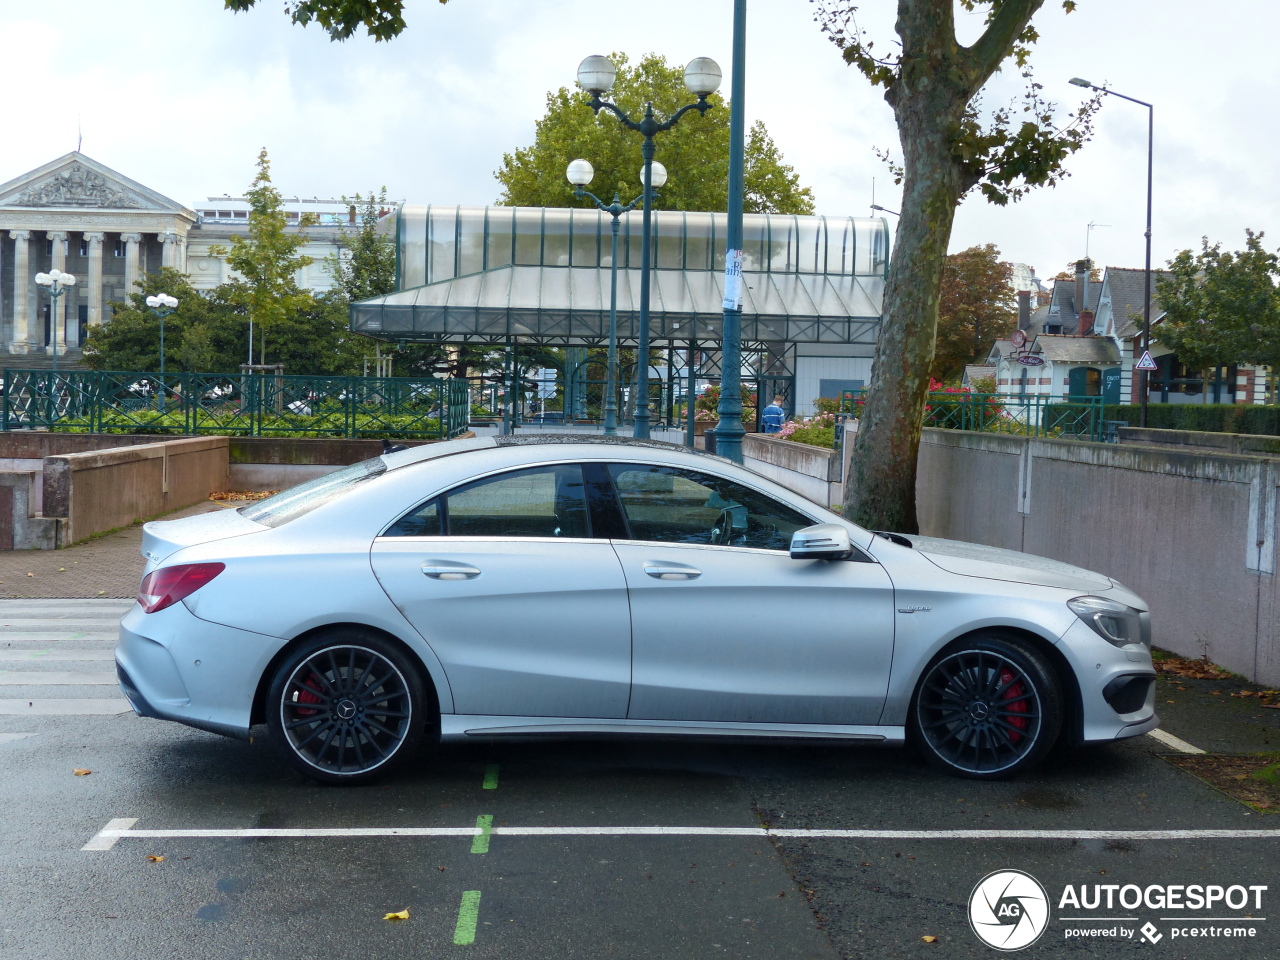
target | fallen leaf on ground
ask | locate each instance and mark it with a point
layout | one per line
(402, 915)
(30, 574)
(929, 939)
(81, 772)
(154, 858)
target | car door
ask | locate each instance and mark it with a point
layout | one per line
(726, 626)
(526, 610)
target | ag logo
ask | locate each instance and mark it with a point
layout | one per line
(1008, 910)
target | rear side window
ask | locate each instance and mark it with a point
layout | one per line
(537, 502)
(302, 499)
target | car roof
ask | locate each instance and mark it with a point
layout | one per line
(447, 448)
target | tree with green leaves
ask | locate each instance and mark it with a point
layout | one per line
(976, 308)
(1221, 307)
(695, 152)
(949, 147)
(382, 19)
(131, 340)
(367, 268)
(267, 260)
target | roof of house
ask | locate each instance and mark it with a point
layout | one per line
(1064, 307)
(973, 371)
(1127, 289)
(1073, 349)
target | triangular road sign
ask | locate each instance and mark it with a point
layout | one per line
(1146, 363)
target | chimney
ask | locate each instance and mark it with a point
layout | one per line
(1086, 323)
(1024, 309)
(1082, 285)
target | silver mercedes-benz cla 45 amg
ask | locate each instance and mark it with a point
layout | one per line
(559, 586)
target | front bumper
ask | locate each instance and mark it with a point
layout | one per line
(1117, 685)
(174, 666)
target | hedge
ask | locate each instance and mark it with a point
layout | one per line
(1208, 417)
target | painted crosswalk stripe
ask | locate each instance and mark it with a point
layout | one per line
(85, 707)
(47, 655)
(113, 832)
(56, 678)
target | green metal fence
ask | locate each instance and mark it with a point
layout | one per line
(1077, 418)
(258, 404)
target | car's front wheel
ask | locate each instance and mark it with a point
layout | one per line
(987, 709)
(346, 707)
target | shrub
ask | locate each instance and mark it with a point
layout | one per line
(1208, 417)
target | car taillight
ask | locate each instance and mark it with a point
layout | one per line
(166, 586)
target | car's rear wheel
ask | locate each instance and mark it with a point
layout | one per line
(346, 707)
(987, 709)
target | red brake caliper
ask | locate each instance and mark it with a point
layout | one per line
(304, 695)
(1014, 691)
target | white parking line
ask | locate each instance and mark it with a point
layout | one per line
(1177, 743)
(122, 828)
(46, 655)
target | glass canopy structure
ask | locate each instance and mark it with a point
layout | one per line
(533, 274)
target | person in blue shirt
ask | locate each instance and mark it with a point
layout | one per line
(774, 415)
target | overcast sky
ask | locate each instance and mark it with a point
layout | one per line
(181, 94)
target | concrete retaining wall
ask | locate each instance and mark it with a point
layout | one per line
(813, 472)
(276, 463)
(1192, 532)
(101, 490)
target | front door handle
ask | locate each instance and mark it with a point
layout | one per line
(672, 571)
(447, 570)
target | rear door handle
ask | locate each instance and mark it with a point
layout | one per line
(447, 570)
(672, 571)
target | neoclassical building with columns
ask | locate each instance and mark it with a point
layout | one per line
(80, 216)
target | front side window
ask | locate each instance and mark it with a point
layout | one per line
(672, 505)
(537, 502)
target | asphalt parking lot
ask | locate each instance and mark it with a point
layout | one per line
(568, 850)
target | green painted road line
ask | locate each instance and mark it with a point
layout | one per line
(468, 914)
(484, 823)
(491, 777)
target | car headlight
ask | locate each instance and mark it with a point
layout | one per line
(1115, 622)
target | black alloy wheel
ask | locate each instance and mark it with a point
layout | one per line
(987, 709)
(346, 708)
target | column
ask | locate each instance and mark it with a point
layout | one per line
(131, 241)
(171, 251)
(95, 277)
(21, 342)
(57, 330)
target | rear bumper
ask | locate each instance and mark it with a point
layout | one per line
(172, 665)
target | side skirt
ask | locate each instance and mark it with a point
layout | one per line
(465, 727)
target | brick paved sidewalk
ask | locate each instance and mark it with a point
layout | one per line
(110, 566)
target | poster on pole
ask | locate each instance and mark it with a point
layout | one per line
(733, 280)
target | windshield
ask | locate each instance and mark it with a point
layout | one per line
(296, 501)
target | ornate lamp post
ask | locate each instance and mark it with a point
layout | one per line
(1146, 295)
(702, 78)
(162, 305)
(579, 173)
(57, 283)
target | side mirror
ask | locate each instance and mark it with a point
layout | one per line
(822, 541)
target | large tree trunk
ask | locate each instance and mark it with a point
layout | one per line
(937, 79)
(882, 490)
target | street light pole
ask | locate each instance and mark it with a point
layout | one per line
(161, 306)
(57, 283)
(579, 174)
(702, 78)
(729, 430)
(1146, 294)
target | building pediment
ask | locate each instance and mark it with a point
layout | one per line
(77, 183)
